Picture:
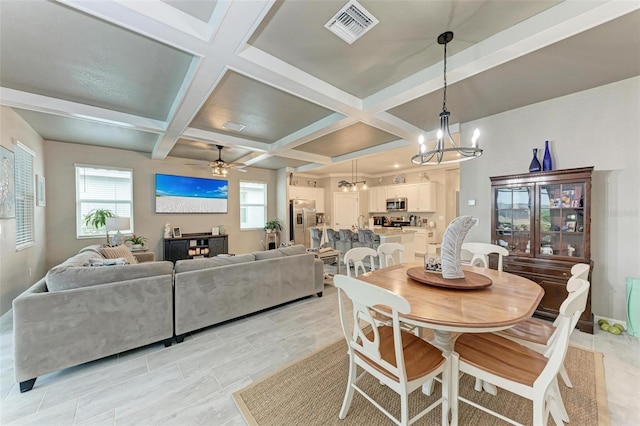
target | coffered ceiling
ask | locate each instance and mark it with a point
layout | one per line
(172, 77)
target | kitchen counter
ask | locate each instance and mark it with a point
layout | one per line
(391, 231)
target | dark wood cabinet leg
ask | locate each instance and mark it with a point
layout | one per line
(180, 338)
(319, 294)
(168, 342)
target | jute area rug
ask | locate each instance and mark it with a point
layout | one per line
(310, 392)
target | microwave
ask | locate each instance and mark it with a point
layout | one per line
(396, 204)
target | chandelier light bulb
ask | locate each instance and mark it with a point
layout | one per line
(475, 137)
(439, 134)
(364, 186)
(421, 140)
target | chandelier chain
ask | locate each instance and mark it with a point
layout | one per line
(444, 97)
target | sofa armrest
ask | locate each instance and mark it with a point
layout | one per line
(55, 330)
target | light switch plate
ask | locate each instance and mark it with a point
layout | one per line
(471, 202)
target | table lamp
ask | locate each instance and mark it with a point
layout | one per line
(117, 224)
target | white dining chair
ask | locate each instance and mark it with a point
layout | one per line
(480, 252)
(357, 256)
(399, 360)
(516, 368)
(536, 334)
(386, 252)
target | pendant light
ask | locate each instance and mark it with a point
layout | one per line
(446, 150)
(353, 185)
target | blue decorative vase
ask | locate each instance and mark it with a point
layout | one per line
(547, 164)
(535, 164)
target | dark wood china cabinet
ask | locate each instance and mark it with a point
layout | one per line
(544, 220)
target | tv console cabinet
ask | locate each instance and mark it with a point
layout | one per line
(193, 246)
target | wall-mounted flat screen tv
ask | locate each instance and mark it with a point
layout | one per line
(184, 194)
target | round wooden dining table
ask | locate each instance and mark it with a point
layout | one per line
(509, 300)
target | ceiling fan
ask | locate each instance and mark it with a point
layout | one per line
(220, 167)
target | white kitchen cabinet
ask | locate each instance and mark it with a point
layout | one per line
(308, 193)
(421, 197)
(378, 199)
(419, 239)
(397, 191)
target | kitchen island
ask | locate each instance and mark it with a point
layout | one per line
(397, 235)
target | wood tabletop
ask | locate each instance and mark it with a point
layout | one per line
(509, 300)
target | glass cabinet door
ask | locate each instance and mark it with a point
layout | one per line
(561, 220)
(512, 219)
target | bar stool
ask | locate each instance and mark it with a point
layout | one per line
(334, 238)
(316, 237)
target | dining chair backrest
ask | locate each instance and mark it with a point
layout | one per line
(386, 252)
(333, 236)
(571, 309)
(480, 252)
(364, 297)
(316, 236)
(578, 271)
(357, 256)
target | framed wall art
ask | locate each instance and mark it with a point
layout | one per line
(7, 184)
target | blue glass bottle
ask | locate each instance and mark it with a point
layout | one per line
(547, 165)
(535, 164)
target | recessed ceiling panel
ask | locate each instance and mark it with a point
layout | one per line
(75, 130)
(602, 55)
(196, 150)
(277, 163)
(349, 139)
(52, 50)
(269, 114)
(403, 43)
(199, 9)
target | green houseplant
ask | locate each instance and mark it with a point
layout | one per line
(273, 225)
(97, 218)
(136, 241)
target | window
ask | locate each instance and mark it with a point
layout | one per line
(25, 200)
(100, 187)
(253, 205)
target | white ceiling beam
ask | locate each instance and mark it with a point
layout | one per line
(313, 131)
(224, 139)
(550, 26)
(39, 103)
(306, 156)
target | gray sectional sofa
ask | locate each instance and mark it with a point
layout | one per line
(80, 313)
(213, 290)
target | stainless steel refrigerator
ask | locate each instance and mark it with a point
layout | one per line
(302, 216)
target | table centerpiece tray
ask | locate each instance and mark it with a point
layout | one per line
(471, 280)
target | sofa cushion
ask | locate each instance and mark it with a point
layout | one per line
(293, 250)
(211, 262)
(95, 249)
(118, 252)
(268, 254)
(73, 274)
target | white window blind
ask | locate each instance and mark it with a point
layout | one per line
(253, 205)
(99, 187)
(25, 199)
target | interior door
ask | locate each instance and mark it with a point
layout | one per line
(346, 209)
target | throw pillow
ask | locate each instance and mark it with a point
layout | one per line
(118, 251)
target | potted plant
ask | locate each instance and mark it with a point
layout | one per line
(273, 225)
(97, 218)
(137, 242)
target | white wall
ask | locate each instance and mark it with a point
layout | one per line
(15, 265)
(598, 127)
(61, 214)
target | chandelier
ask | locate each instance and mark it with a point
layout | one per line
(219, 167)
(446, 150)
(353, 185)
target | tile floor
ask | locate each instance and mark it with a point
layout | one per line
(192, 382)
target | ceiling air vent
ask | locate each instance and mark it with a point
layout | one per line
(351, 22)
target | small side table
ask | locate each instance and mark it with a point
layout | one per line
(330, 256)
(144, 255)
(271, 240)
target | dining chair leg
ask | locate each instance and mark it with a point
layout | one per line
(427, 388)
(455, 387)
(349, 393)
(446, 392)
(565, 376)
(558, 402)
